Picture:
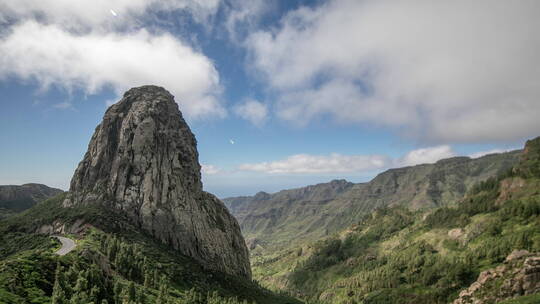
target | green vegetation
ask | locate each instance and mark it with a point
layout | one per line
(529, 166)
(396, 255)
(15, 199)
(5, 213)
(531, 299)
(390, 255)
(114, 262)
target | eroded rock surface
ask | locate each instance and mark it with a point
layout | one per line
(143, 160)
(520, 275)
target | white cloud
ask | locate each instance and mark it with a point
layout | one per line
(444, 71)
(317, 164)
(426, 155)
(482, 153)
(85, 15)
(253, 111)
(353, 164)
(242, 17)
(63, 105)
(210, 169)
(91, 62)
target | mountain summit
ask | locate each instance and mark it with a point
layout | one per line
(142, 161)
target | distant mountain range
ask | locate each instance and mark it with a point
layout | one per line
(15, 199)
(318, 210)
(423, 234)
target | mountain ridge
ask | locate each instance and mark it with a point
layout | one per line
(17, 198)
(483, 248)
(289, 214)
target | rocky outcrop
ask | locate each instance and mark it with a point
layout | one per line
(20, 198)
(456, 233)
(529, 165)
(520, 275)
(58, 227)
(142, 160)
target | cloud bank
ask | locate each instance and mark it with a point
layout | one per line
(51, 55)
(102, 44)
(441, 71)
(348, 164)
(319, 164)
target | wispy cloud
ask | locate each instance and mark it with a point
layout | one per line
(103, 15)
(210, 169)
(348, 164)
(253, 111)
(483, 153)
(426, 155)
(242, 17)
(63, 105)
(317, 164)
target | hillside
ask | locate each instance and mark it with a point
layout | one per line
(316, 211)
(399, 255)
(145, 231)
(114, 262)
(14, 199)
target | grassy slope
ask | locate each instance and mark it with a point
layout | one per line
(531, 299)
(29, 259)
(402, 256)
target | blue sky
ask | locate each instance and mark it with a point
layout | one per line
(308, 91)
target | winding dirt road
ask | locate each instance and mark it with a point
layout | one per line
(67, 245)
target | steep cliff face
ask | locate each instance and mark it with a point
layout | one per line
(142, 160)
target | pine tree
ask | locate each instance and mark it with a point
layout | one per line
(142, 295)
(58, 295)
(156, 278)
(94, 294)
(163, 291)
(147, 280)
(117, 292)
(132, 293)
(112, 249)
(80, 294)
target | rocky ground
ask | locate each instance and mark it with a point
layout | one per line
(518, 276)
